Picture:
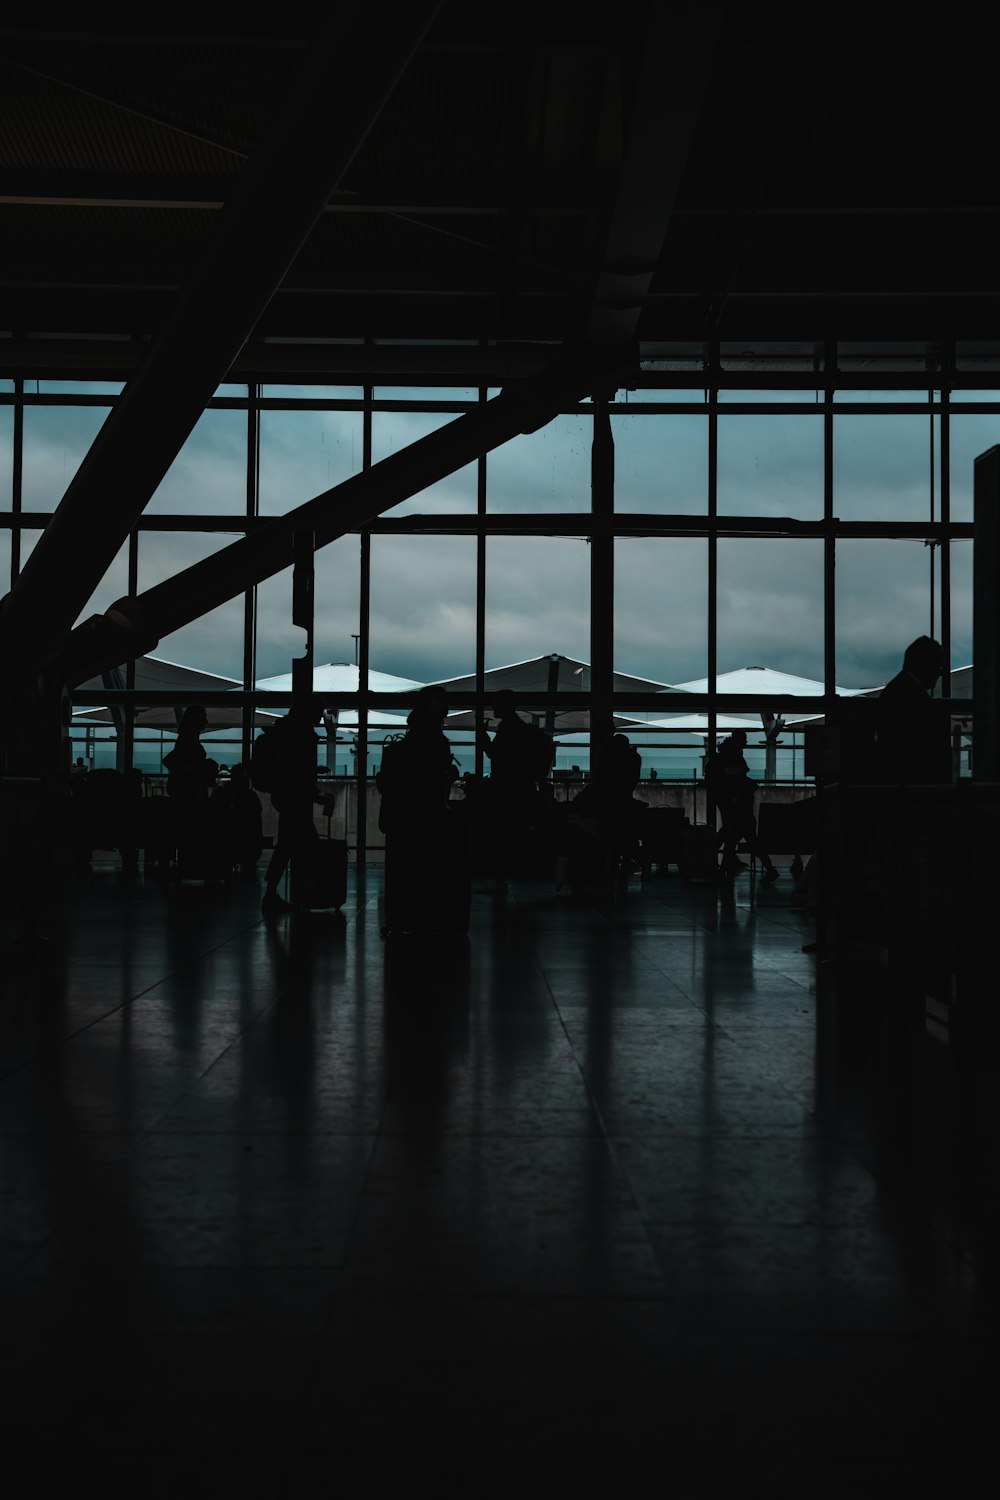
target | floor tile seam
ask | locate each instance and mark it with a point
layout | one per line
(155, 1126)
(115, 1009)
(615, 1157)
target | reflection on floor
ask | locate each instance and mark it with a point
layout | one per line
(599, 1186)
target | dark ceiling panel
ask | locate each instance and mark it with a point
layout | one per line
(826, 178)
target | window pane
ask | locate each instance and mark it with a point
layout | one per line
(760, 397)
(56, 441)
(312, 392)
(882, 468)
(661, 464)
(661, 608)
(392, 431)
(5, 579)
(961, 604)
(303, 453)
(883, 603)
(213, 643)
(770, 610)
(880, 398)
(6, 457)
(209, 475)
(547, 470)
(664, 393)
(338, 577)
(423, 606)
(425, 393)
(771, 466)
(970, 436)
(537, 598)
(79, 387)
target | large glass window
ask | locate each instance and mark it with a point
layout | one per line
(547, 470)
(537, 598)
(661, 463)
(771, 465)
(661, 607)
(56, 441)
(304, 453)
(882, 468)
(209, 475)
(884, 592)
(423, 606)
(770, 592)
(6, 457)
(393, 431)
(337, 632)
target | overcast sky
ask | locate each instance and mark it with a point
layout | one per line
(423, 588)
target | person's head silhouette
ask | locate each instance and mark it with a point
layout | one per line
(924, 660)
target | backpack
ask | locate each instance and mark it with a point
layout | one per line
(265, 761)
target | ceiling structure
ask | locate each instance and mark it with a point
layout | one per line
(752, 176)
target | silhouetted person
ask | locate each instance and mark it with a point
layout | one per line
(190, 772)
(913, 745)
(733, 792)
(293, 791)
(611, 794)
(417, 771)
(190, 777)
(426, 865)
(520, 756)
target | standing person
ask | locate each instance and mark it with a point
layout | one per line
(191, 775)
(913, 744)
(416, 773)
(520, 756)
(426, 849)
(292, 785)
(190, 772)
(733, 791)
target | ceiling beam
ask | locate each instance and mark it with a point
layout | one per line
(670, 91)
(101, 643)
(276, 203)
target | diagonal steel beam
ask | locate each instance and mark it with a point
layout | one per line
(133, 626)
(670, 92)
(346, 79)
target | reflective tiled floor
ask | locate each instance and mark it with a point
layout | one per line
(591, 1190)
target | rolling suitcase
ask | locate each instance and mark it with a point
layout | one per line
(699, 853)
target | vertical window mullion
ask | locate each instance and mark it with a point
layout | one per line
(481, 480)
(17, 478)
(364, 631)
(250, 596)
(945, 561)
(829, 538)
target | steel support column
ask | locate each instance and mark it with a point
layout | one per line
(986, 619)
(602, 579)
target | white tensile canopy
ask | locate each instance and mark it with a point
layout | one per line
(155, 674)
(542, 674)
